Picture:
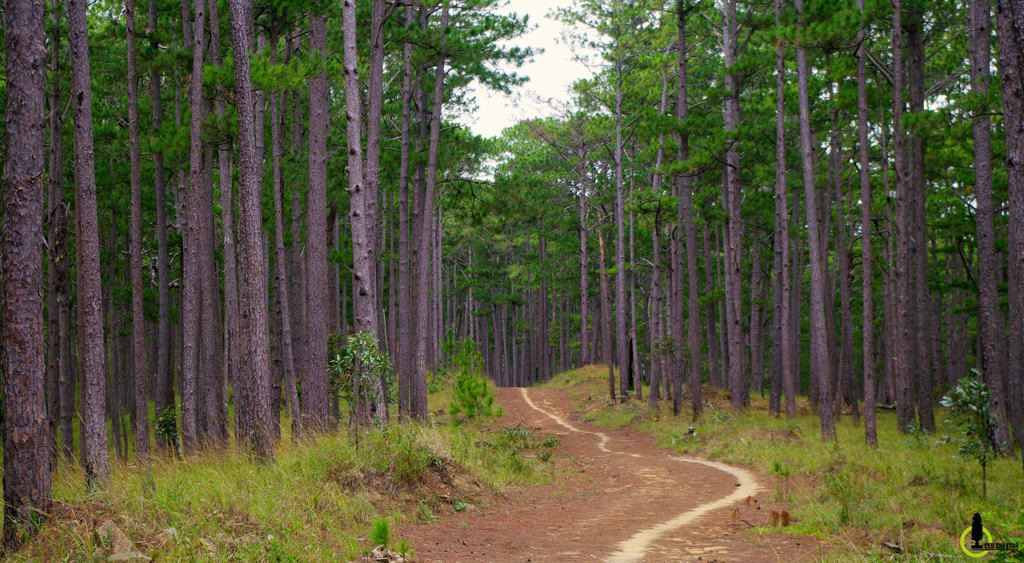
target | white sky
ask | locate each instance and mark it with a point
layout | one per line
(551, 74)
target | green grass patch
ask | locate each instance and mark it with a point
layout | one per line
(314, 503)
(913, 491)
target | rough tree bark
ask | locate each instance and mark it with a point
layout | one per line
(868, 327)
(738, 395)
(423, 266)
(281, 288)
(902, 266)
(135, 246)
(90, 317)
(816, 245)
(26, 452)
(191, 279)
(314, 377)
(252, 287)
(782, 239)
(1010, 31)
(684, 207)
(164, 388)
(404, 355)
(232, 356)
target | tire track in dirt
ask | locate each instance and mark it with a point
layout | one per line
(616, 497)
(636, 546)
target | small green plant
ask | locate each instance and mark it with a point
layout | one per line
(783, 472)
(423, 513)
(380, 533)
(358, 370)
(473, 398)
(460, 506)
(969, 412)
(404, 549)
(545, 449)
(166, 427)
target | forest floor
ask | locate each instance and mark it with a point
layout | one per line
(619, 498)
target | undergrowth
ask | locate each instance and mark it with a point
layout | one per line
(913, 491)
(313, 503)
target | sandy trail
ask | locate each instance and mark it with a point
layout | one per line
(620, 499)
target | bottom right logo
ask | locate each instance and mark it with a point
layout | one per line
(976, 547)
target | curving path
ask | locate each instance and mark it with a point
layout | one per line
(621, 500)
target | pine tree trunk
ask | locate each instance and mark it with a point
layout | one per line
(405, 303)
(606, 346)
(816, 245)
(135, 246)
(621, 329)
(903, 266)
(1010, 29)
(734, 239)
(252, 303)
(281, 289)
(191, 280)
(423, 260)
(60, 301)
(919, 241)
(584, 277)
(231, 355)
(783, 260)
(22, 347)
(314, 376)
(991, 328)
(867, 259)
(89, 291)
(163, 397)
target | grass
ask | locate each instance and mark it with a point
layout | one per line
(314, 503)
(912, 491)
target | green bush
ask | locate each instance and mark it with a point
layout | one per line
(474, 399)
(969, 412)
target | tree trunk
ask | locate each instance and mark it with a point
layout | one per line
(919, 241)
(738, 396)
(135, 246)
(191, 288)
(232, 356)
(281, 289)
(621, 329)
(584, 277)
(1010, 29)
(784, 284)
(868, 308)
(163, 398)
(991, 329)
(252, 302)
(371, 171)
(903, 265)
(819, 331)
(405, 302)
(60, 301)
(314, 377)
(423, 266)
(606, 346)
(90, 316)
(26, 455)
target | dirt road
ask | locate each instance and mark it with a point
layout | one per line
(621, 500)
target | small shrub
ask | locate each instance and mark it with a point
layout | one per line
(380, 533)
(473, 397)
(359, 360)
(968, 406)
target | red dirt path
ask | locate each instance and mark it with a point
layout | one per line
(603, 499)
